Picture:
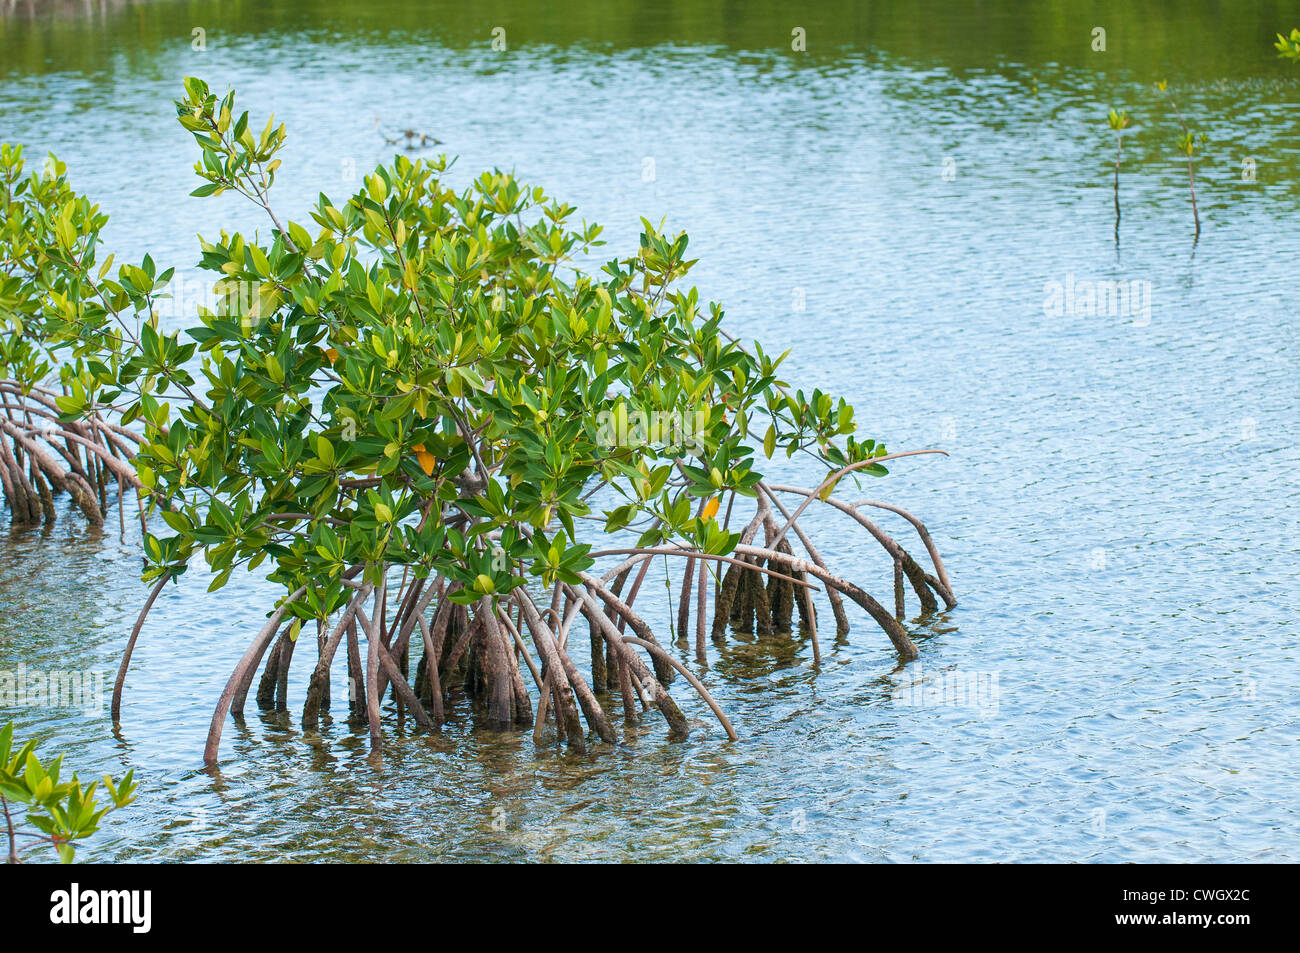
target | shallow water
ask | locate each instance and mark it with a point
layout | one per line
(1117, 513)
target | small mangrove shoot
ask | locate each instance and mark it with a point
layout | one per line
(1118, 122)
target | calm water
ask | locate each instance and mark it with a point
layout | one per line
(1118, 514)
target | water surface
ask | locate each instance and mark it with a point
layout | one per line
(1117, 514)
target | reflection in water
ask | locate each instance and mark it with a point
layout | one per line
(895, 205)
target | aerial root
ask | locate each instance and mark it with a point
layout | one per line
(695, 682)
(487, 647)
(130, 648)
(276, 662)
(807, 613)
(701, 612)
(663, 671)
(901, 558)
(939, 581)
(246, 663)
(556, 654)
(485, 651)
(684, 601)
(897, 634)
(639, 678)
(42, 454)
(318, 686)
(555, 678)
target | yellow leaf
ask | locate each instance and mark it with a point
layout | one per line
(711, 508)
(427, 461)
(332, 354)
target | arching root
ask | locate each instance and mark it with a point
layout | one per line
(482, 651)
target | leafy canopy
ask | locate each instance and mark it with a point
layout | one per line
(424, 377)
(53, 292)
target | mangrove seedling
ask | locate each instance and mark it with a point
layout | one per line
(1289, 47)
(1118, 122)
(1187, 144)
(413, 419)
